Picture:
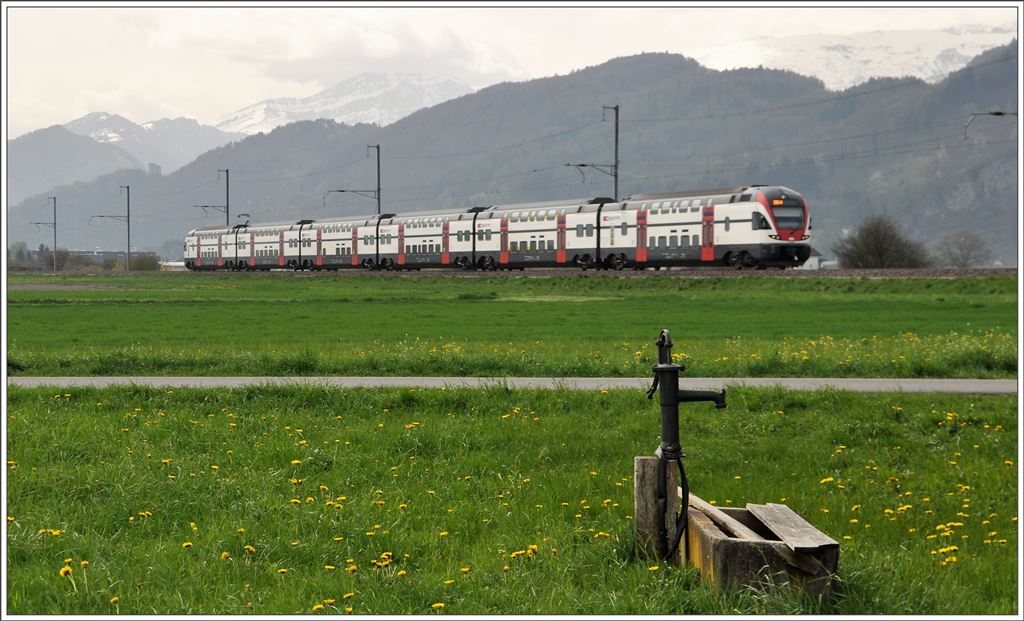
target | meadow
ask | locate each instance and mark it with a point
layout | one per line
(300, 500)
(579, 324)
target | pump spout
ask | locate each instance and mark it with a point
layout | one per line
(703, 395)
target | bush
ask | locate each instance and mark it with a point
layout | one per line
(878, 243)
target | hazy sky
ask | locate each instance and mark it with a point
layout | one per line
(160, 61)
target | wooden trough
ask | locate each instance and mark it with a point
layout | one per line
(756, 546)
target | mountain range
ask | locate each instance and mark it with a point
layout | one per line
(893, 146)
(100, 143)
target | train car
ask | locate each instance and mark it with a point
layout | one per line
(751, 226)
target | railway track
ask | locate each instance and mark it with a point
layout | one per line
(694, 272)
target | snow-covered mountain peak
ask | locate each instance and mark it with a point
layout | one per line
(365, 98)
(842, 61)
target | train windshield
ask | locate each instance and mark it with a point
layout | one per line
(789, 216)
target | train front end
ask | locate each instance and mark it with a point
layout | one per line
(787, 233)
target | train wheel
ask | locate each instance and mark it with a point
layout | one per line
(487, 263)
(617, 261)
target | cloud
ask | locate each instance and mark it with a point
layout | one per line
(204, 62)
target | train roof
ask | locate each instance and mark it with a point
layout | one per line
(689, 193)
(546, 204)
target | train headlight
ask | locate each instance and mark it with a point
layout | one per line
(774, 237)
(806, 237)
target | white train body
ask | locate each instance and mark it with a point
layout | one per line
(754, 226)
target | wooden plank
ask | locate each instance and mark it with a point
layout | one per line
(646, 516)
(797, 533)
(726, 522)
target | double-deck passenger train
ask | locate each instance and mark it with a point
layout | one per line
(752, 226)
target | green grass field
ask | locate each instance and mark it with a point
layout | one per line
(516, 325)
(284, 500)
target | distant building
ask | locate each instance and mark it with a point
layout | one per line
(814, 262)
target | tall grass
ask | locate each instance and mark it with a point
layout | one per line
(426, 497)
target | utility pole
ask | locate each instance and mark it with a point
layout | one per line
(227, 194)
(52, 225)
(367, 193)
(611, 170)
(226, 207)
(376, 146)
(127, 219)
(615, 166)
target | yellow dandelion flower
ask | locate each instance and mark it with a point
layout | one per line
(65, 571)
(443, 533)
(84, 564)
(437, 605)
(225, 555)
(329, 601)
(401, 572)
(186, 545)
(114, 600)
(352, 568)
(348, 596)
(318, 607)
(249, 549)
(465, 570)
(654, 567)
(448, 582)
(67, 561)
(296, 462)
(282, 570)
(329, 567)
(348, 609)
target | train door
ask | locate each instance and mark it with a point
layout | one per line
(707, 242)
(560, 240)
(641, 236)
(503, 254)
(355, 245)
(401, 244)
(445, 253)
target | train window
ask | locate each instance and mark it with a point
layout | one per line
(673, 241)
(337, 250)
(684, 241)
(696, 240)
(727, 223)
(590, 230)
(744, 198)
(551, 214)
(694, 205)
(650, 243)
(579, 230)
(661, 241)
(512, 247)
(623, 228)
(533, 244)
(488, 234)
(551, 244)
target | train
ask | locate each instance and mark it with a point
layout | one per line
(755, 226)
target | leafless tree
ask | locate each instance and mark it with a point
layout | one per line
(964, 249)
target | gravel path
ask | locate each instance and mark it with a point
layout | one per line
(978, 386)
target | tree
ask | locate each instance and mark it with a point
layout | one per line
(878, 243)
(964, 249)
